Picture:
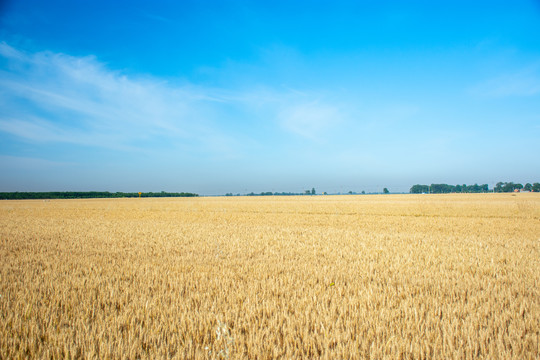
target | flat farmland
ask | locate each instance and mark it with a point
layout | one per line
(367, 277)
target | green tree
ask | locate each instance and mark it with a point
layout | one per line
(385, 191)
(313, 191)
(536, 187)
(508, 187)
(527, 187)
(419, 189)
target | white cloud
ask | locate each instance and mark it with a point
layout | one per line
(52, 97)
(58, 98)
(55, 98)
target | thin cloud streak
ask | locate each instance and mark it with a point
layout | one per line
(78, 100)
(80, 96)
(525, 82)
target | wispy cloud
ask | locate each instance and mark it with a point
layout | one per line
(53, 97)
(525, 82)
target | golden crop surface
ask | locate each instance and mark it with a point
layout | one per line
(334, 277)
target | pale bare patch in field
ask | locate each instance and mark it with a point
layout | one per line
(394, 276)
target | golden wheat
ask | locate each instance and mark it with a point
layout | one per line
(395, 276)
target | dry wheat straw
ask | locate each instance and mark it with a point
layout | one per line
(418, 277)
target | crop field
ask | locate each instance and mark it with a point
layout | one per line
(331, 277)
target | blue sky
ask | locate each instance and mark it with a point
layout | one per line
(239, 96)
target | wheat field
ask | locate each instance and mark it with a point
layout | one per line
(331, 277)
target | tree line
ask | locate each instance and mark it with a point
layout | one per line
(270, 193)
(510, 187)
(86, 195)
(445, 188)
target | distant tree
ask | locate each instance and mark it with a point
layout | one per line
(308, 192)
(510, 187)
(87, 195)
(350, 193)
(442, 188)
(527, 187)
(476, 188)
(536, 187)
(363, 192)
(313, 191)
(507, 187)
(419, 189)
(445, 188)
(385, 191)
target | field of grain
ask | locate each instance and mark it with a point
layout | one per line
(390, 276)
